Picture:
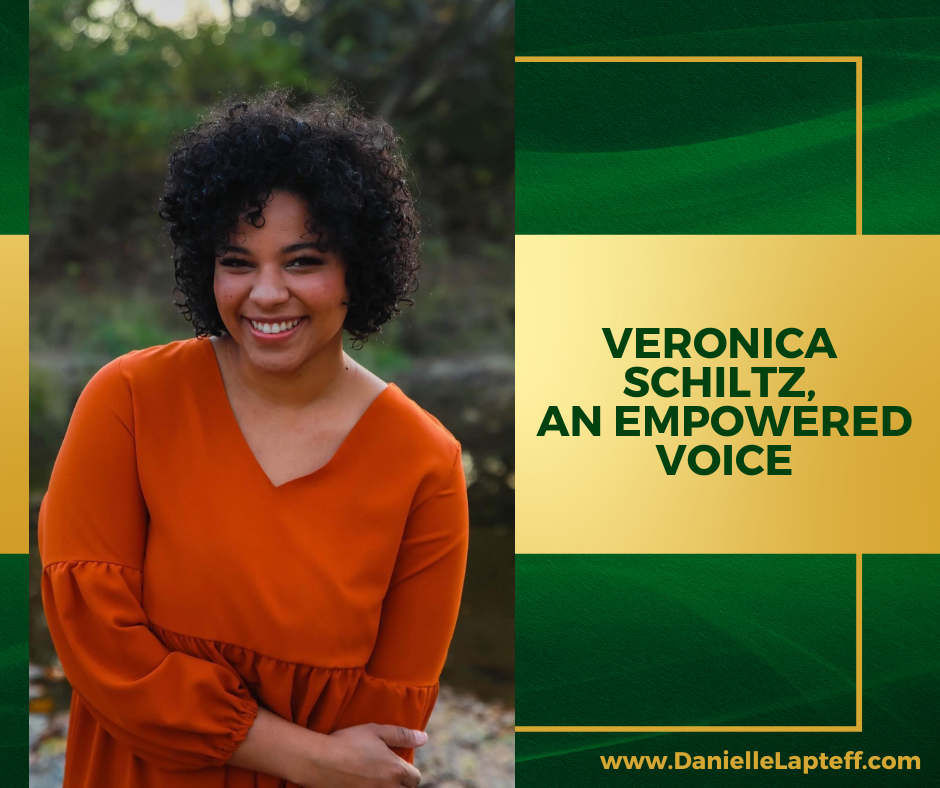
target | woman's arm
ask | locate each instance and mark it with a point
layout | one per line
(169, 708)
(419, 613)
(352, 758)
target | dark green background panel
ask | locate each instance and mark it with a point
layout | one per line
(613, 107)
(685, 640)
(901, 699)
(659, 148)
(14, 664)
(899, 43)
(598, 27)
(14, 120)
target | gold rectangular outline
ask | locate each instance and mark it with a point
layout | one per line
(769, 59)
(857, 728)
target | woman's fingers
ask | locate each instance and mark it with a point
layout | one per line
(399, 736)
(407, 738)
(413, 777)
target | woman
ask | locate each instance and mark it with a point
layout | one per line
(253, 548)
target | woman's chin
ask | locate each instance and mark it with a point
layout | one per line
(275, 359)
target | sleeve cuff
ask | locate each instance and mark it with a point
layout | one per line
(245, 718)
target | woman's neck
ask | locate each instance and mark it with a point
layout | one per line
(320, 377)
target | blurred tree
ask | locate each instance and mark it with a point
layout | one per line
(110, 90)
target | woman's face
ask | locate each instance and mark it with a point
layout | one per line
(272, 275)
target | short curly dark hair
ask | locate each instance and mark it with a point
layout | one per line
(346, 165)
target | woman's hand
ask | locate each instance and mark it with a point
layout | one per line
(356, 757)
(360, 757)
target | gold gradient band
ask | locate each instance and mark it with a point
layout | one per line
(14, 395)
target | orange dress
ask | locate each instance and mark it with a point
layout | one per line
(183, 589)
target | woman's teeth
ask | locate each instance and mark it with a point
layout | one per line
(275, 328)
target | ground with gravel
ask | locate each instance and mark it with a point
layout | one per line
(471, 744)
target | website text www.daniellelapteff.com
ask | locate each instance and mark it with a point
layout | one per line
(752, 759)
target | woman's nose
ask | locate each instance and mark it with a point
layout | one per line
(269, 286)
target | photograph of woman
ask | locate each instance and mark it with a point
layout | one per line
(316, 514)
(271, 394)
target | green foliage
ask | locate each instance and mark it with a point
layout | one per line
(45, 397)
(102, 323)
(382, 355)
(49, 410)
(110, 93)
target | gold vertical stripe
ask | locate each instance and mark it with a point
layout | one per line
(14, 394)
(858, 641)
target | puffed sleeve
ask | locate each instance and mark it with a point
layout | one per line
(419, 613)
(171, 709)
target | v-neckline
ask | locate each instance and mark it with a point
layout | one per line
(228, 414)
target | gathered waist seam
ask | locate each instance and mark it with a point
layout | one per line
(154, 625)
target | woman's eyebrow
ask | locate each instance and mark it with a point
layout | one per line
(298, 247)
(285, 250)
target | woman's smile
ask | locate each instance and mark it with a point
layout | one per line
(270, 284)
(271, 330)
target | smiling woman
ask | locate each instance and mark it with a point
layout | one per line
(256, 282)
(284, 311)
(302, 587)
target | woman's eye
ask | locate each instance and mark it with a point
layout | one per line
(305, 261)
(300, 262)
